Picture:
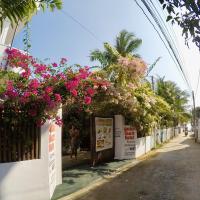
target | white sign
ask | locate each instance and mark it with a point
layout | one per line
(52, 163)
(104, 133)
(130, 135)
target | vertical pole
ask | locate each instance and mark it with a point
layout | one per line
(152, 83)
(194, 116)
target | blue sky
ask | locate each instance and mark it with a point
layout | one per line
(55, 35)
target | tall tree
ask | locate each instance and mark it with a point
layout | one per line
(175, 97)
(22, 10)
(125, 45)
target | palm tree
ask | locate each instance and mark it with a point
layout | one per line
(126, 44)
(175, 97)
(22, 10)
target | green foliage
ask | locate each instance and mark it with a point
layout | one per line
(22, 10)
(130, 95)
(176, 98)
(185, 13)
(126, 44)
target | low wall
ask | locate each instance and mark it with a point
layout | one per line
(26, 179)
(146, 144)
(30, 180)
(140, 147)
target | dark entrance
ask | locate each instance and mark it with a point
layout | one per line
(80, 121)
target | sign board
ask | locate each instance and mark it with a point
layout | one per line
(130, 134)
(52, 163)
(104, 133)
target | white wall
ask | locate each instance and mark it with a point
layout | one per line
(26, 180)
(140, 147)
(119, 137)
(148, 144)
(29, 180)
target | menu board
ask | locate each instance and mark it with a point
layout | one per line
(104, 133)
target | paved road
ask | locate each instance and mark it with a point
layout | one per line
(173, 174)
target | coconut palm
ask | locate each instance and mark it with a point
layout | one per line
(175, 97)
(22, 10)
(126, 44)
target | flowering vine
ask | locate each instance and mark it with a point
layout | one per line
(39, 89)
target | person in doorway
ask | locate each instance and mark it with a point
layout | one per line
(74, 140)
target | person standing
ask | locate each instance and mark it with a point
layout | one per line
(74, 140)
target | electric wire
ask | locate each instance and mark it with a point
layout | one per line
(173, 54)
(168, 41)
(197, 85)
(81, 25)
(173, 38)
(160, 36)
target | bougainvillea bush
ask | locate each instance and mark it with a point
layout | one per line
(37, 90)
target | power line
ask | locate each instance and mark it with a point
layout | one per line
(81, 25)
(169, 43)
(197, 85)
(171, 38)
(172, 50)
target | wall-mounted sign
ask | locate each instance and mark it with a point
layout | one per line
(130, 135)
(104, 133)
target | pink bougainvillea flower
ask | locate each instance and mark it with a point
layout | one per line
(54, 64)
(40, 69)
(48, 89)
(87, 100)
(32, 112)
(34, 84)
(74, 92)
(90, 91)
(58, 97)
(35, 92)
(71, 84)
(27, 94)
(10, 86)
(12, 93)
(45, 76)
(59, 121)
(87, 67)
(26, 74)
(63, 61)
(47, 98)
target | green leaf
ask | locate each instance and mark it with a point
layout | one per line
(169, 18)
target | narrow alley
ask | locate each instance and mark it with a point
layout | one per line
(173, 173)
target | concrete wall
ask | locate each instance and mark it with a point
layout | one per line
(29, 180)
(146, 144)
(140, 147)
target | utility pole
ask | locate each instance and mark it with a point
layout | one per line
(194, 116)
(152, 83)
